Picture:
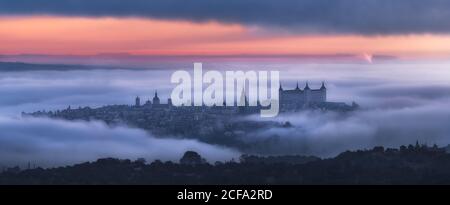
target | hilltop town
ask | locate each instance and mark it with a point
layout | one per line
(224, 122)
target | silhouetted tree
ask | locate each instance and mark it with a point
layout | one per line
(192, 158)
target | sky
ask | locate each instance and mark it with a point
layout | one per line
(410, 29)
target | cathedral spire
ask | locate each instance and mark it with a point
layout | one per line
(156, 98)
(297, 88)
(281, 88)
(243, 100)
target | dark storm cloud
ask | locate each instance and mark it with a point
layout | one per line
(338, 16)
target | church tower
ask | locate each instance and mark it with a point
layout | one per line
(137, 102)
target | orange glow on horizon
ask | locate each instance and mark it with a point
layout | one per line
(90, 36)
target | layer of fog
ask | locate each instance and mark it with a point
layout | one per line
(31, 91)
(47, 142)
(328, 134)
(400, 103)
